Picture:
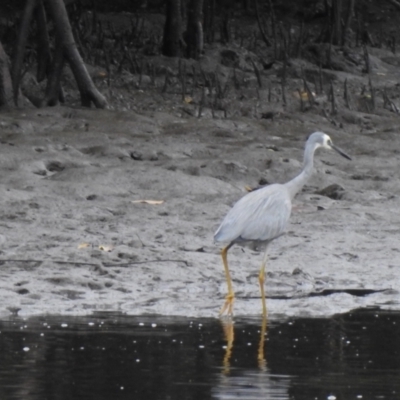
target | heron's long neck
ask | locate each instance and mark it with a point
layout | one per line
(297, 183)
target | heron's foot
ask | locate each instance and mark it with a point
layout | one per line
(227, 308)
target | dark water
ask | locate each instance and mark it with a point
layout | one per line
(352, 356)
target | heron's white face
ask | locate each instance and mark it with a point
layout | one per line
(320, 139)
(327, 142)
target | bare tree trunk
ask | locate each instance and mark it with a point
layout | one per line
(334, 30)
(337, 23)
(6, 90)
(172, 40)
(350, 13)
(225, 9)
(246, 6)
(87, 89)
(19, 52)
(209, 20)
(43, 44)
(194, 31)
(53, 87)
(260, 25)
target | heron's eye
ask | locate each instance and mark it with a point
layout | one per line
(329, 142)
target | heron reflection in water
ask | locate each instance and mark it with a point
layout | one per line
(228, 328)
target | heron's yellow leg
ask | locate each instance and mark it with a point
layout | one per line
(230, 297)
(261, 279)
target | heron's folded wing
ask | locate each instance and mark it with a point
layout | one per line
(260, 215)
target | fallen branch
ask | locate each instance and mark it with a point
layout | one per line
(143, 262)
(42, 261)
(92, 264)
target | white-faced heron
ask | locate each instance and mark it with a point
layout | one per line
(262, 215)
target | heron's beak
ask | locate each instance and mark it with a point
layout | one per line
(340, 151)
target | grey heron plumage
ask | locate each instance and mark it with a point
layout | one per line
(262, 215)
